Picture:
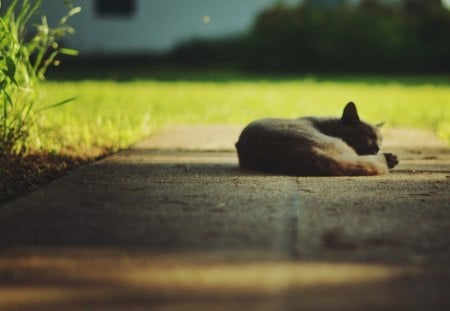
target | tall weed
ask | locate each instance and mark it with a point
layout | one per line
(25, 56)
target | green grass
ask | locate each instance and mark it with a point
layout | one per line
(26, 52)
(108, 114)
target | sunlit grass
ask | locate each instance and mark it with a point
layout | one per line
(114, 115)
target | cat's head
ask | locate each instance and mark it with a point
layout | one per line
(364, 138)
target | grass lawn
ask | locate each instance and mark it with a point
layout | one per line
(112, 115)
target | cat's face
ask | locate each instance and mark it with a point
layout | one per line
(364, 138)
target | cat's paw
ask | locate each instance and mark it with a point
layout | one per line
(391, 159)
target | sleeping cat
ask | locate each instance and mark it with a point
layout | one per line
(311, 146)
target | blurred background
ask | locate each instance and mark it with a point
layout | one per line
(275, 36)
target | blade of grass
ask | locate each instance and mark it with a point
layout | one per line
(61, 103)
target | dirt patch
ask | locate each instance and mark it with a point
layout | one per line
(20, 175)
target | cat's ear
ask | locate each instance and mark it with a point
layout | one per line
(350, 114)
(380, 125)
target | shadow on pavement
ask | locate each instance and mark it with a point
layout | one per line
(191, 231)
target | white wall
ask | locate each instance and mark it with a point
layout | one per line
(157, 24)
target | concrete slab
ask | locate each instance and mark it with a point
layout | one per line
(153, 200)
(194, 137)
(174, 224)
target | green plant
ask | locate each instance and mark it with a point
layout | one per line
(24, 59)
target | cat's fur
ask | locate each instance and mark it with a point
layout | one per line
(310, 146)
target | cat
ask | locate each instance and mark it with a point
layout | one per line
(313, 146)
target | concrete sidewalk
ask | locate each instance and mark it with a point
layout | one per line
(174, 224)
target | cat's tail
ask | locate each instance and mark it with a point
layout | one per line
(350, 164)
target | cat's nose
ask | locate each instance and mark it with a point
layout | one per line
(376, 149)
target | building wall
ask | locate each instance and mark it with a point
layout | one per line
(156, 25)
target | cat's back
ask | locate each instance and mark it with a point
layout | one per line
(278, 130)
(279, 145)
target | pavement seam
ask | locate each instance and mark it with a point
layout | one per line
(294, 223)
(287, 242)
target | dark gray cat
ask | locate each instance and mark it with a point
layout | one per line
(311, 146)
